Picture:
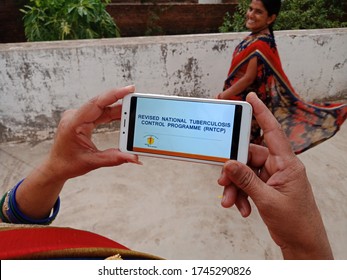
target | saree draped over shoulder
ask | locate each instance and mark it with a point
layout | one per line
(306, 124)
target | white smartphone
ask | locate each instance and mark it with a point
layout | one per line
(185, 128)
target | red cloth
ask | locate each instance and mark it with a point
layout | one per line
(17, 243)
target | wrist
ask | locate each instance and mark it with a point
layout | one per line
(39, 192)
(51, 172)
(318, 248)
(302, 254)
(11, 212)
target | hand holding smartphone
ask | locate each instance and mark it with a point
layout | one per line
(185, 128)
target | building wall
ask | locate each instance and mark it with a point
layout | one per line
(11, 24)
(40, 80)
(169, 18)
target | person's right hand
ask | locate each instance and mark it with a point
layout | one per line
(277, 183)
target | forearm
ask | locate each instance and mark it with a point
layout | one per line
(244, 82)
(241, 85)
(37, 194)
(39, 191)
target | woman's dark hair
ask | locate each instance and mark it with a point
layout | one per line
(272, 7)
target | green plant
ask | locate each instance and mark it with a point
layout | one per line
(309, 14)
(236, 22)
(47, 20)
(295, 14)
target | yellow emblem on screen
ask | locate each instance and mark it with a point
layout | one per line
(150, 140)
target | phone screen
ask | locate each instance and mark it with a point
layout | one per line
(198, 130)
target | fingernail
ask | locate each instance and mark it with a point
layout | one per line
(130, 87)
(224, 198)
(242, 211)
(135, 161)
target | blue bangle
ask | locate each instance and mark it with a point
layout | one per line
(16, 216)
(2, 216)
(7, 215)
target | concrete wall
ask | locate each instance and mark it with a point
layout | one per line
(40, 80)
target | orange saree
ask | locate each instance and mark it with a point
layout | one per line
(306, 124)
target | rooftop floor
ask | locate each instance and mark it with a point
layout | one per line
(172, 208)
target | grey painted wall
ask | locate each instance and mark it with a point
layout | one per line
(40, 80)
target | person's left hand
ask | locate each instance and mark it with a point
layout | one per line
(73, 152)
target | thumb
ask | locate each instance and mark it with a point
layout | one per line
(244, 178)
(114, 157)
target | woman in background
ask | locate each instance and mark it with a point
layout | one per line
(256, 66)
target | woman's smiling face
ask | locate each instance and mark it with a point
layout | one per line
(257, 17)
